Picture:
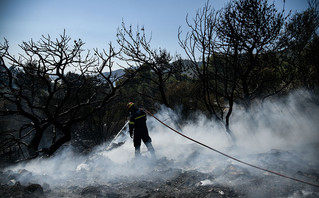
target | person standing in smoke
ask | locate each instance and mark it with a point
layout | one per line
(138, 129)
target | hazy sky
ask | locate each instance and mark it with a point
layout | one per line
(96, 21)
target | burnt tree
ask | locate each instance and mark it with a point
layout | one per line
(252, 30)
(41, 90)
(208, 64)
(301, 42)
(137, 52)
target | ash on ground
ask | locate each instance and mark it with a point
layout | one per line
(163, 178)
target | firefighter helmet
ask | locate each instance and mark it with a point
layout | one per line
(130, 105)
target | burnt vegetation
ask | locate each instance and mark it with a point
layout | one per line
(56, 92)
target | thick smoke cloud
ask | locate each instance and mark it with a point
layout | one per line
(277, 125)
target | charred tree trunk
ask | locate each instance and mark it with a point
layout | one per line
(161, 88)
(61, 141)
(34, 144)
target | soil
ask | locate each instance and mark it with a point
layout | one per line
(165, 179)
(232, 181)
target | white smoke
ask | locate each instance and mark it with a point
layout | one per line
(289, 123)
(281, 123)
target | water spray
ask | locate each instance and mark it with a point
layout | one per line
(117, 135)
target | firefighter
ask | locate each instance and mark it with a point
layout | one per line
(138, 129)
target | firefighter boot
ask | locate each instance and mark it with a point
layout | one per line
(137, 152)
(150, 148)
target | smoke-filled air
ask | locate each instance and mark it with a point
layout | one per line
(206, 98)
(280, 134)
